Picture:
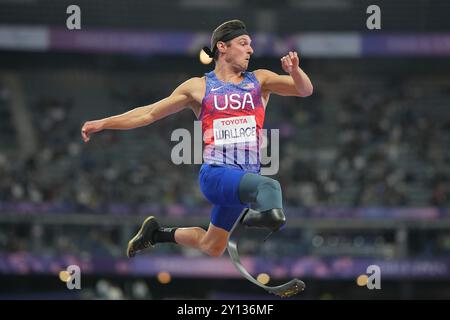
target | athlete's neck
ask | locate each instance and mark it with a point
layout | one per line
(226, 73)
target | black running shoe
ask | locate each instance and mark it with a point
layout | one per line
(144, 238)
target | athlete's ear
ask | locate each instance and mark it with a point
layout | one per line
(221, 46)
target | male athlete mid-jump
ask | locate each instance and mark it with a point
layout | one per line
(231, 103)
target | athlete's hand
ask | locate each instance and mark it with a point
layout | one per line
(290, 62)
(90, 127)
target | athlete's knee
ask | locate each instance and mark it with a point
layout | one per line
(216, 251)
(213, 249)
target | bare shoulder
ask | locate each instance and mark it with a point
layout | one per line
(194, 88)
(193, 83)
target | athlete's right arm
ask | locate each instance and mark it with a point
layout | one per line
(180, 98)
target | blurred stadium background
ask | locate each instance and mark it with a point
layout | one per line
(363, 163)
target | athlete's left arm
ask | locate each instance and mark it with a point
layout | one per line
(297, 83)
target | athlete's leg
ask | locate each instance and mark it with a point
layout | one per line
(262, 192)
(190, 236)
(266, 198)
(212, 242)
(151, 233)
(220, 185)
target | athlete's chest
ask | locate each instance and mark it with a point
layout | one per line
(233, 98)
(232, 101)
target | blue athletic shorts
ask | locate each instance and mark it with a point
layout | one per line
(220, 185)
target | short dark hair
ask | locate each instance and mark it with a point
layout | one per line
(221, 31)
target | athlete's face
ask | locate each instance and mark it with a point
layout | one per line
(239, 51)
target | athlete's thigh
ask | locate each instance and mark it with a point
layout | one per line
(220, 185)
